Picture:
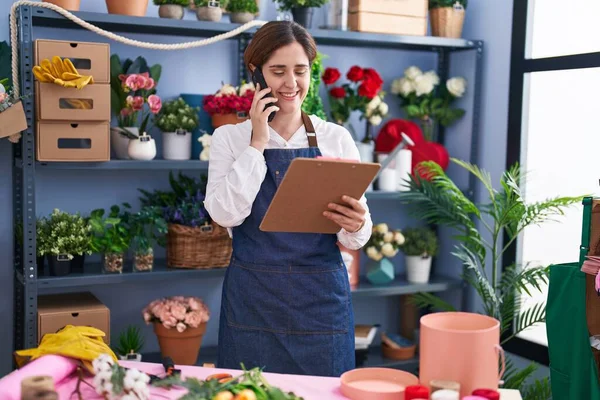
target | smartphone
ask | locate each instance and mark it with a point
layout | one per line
(259, 78)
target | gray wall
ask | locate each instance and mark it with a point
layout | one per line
(74, 191)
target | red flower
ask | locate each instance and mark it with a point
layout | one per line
(228, 104)
(338, 92)
(331, 75)
(372, 75)
(355, 74)
(368, 89)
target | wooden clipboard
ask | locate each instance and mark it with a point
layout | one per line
(307, 188)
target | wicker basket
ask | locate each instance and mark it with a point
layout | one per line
(208, 246)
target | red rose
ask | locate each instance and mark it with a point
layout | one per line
(371, 75)
(368, 89)
(355, 74)
(338, 92)
(331, 75)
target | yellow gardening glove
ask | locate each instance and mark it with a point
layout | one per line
(61, 72)
(83, 343)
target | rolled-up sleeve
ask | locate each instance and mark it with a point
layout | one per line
(233, 180)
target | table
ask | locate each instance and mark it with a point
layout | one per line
(63, 369)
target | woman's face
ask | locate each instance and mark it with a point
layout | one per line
(287, 73)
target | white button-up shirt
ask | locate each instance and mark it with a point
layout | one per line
(236, 171)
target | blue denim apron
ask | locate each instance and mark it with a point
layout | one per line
(286, 302)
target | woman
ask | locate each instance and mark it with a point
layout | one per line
(286, 302)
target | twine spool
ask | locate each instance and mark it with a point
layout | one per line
(445, 394)
(448, 385)
(42, 395)
(33, 386)
(488, 394)
(416, 392)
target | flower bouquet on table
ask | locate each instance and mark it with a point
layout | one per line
(179, 324)
(425, 99)
(382, 245)
(113, 381)
(230, 104)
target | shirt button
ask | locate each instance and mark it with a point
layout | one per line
(276, 172)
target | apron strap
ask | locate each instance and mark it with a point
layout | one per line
(310, 130)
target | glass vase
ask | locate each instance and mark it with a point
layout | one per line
(428, 129)
(143, 260)
(113, 263)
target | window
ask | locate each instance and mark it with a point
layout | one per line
(555, 65)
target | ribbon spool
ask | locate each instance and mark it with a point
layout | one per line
(445, 394)
(416, 392)
(448, 385)
(39, 387)
(488, 394)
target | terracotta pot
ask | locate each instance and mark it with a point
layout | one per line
(71, 5)
(226, 119)
(136, 8)
(184, 347)
(447, 22)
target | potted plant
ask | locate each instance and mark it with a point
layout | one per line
(130, 344)
(111, 238)
(447, 17)
(173, 9)
(136, 8)
(425, 99)
(179, 324)
(71, 5)
(382, 245)
(177, 120)
(242, 11)
(419, 247)
(229, 105)
(132, 87)
(66, 240)
(145, 227)
(209, 10)
(302, 10)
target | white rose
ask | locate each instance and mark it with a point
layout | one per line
(245, 87)
(423, 85)
(456, 86)
(372, 105)
(383, 108)
(395, 88)
(227, 90)
(377, 257)
(412, 72)
(399, 238)
(388, 250)
(375, 120)
(433, 76)
(382, 228)
(388, 237)
(371, 252)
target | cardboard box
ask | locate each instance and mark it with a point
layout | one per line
(387, 23)
(13, 120)
(57, 103)
(409, 8)
(63, 141)
(88, 58)
(78, 309)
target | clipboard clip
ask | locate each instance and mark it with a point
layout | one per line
(405, 141)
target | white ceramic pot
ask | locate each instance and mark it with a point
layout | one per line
(172, 11)
(209, 14)
(131, 357)
(417, 269)
(120, 142)
(143, 148)
(177, 145)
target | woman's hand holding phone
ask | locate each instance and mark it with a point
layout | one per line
(259, 117)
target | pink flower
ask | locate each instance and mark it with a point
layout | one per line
(148, 82)
(126, 112)
(194, 304)
(178, 299)
(155, 103)
(181, 327)
(147, 317)
(129, 100)
(194, 318)
(132, 82)
(138, 103)
(178, 311)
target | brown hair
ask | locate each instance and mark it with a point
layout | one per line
(274, 35)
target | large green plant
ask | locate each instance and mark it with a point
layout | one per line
(242, 6)
(177, 114)
(438, 200)
(64, 233)
(110, 233)
(313, 104)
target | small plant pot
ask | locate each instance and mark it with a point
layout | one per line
(77, 264)
(71, 5)
(303, 16)
(226, 119)
(143, 148)
(136, 8)
(120, 142)
(241, 17)
(60, 265)
(171, 11)
(131, 357)
(214, 14)
(113, 263)
(143, 261)
(447, 21)
(417, 269)
(177, 145)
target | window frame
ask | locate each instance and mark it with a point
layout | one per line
(520, 66)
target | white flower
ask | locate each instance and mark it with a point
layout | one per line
(433, 76)
(372, 105)
(383, 108)
(382, 228)
(375, 120)
(412, 72)
(180, 327)
(245, 87)
(388, 237)
(371, 252)
(456, 86)
(129, 397)
(424, 84)
(227, 89)
(388, 250)
(399, 238)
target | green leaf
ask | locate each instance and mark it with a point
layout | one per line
(530, 317)
(427, 300)
(156, 72)
(413, 111)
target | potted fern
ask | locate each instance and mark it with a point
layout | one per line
(130, 344)
(173, 9)
(419, 247)
(437, 200)
(447, 17)
(209, 10)
(242, 11)
(177, 120)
